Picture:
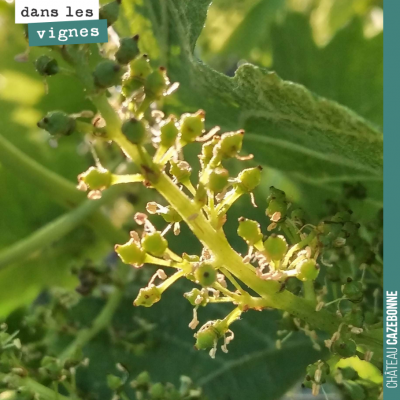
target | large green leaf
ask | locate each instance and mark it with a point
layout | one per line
(288, 127)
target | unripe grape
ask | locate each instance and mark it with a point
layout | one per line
(230, 144)
(148, 296)
(154, 244)
(193, 295)
(96, 178)
(276, 194)
(128, 49)
(142, 381)
(324, 369)
(298, 216)
(277, 206)
(307, 270)
(205, 274)
(130, 253)
(135, 130)
(114, 382)
(168, 132)
(192, 126)
(355, 318)
(156, 84)
(275, 247)
(140, 68)
(206, 337)
(157, 391)
(46, 66)
(353, 290)
(218, 179)
(249, 231)
(345, 347)
(58, 123)
(181, 170)
(249, 179)
(107, 73)
(110, 12)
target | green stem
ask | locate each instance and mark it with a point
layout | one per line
(53, 231)
(100, 323)
(309, 292)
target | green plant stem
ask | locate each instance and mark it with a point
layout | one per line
(309, 292)
(54, 231)
(62, 190)
(101, 322)
(44, 392)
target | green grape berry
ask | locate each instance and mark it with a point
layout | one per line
(128, 50)
(320, 376)
(307, 270)
(96, 178)
(180, 170)
(344, 347)
(276, 194)
(206, 337)
(157, 391)
(148, 296)
(130, 253)
(275, 247)
(46, 66)
(156, 84)
(230, 144)
(205, 274)
(249, 231)
(353, 290)
(110, 12)
(142, 382)
(194, 294)
(218, 180)
(107, 73)
(140, 68)
(192, 126)
(168, 132)
(114, 382)
(277, 207)
(249, 179)
(355, 317)
(135, 130)
(154, 244)
(298, 216)
(58, 123)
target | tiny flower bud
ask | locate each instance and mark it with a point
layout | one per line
(114, 382)
(58, 123)
(134, 130)
(96, 178)
(208, 149)
(46, 66)
(275, 247)
(353, 290)
(249, 231)
(206, 337)
(107, 74)
(344, 347)
(140, 68)
(276, 208)
(148, 296)
(154, 244)
(131, 253)
(128, 50)
(218, 180)
(195, 295)
(205, 274)
(307, 270)
(192, 126)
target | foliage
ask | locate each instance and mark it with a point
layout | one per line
(313, 148)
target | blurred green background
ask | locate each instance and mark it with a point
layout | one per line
(332, 47)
